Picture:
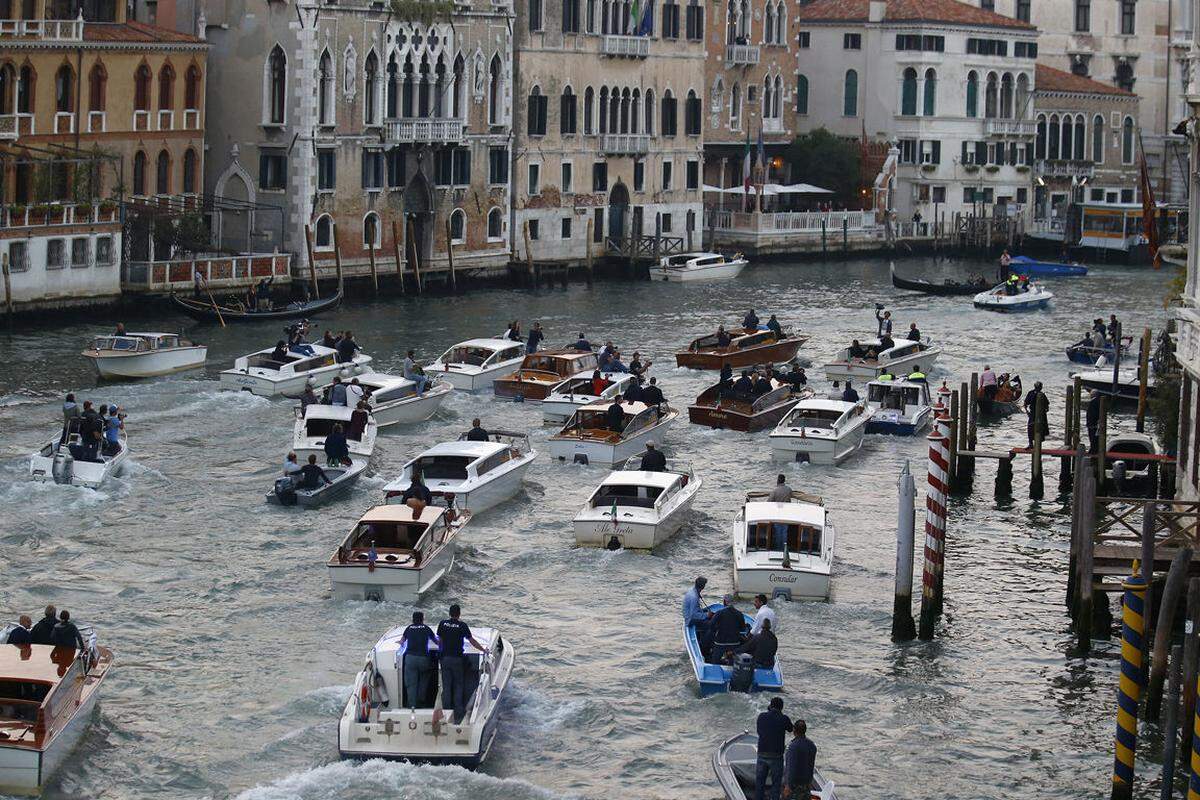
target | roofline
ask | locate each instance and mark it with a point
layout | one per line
(93, 45)
(900, 23)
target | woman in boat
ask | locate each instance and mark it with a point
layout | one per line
(358, 421)
(337, 451)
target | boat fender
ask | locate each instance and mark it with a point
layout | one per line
(364, 702)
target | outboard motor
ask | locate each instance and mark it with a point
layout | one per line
(743, 673)
(1119, 473)
(285, 490)
(63, 468)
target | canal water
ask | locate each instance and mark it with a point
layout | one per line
(233, 663)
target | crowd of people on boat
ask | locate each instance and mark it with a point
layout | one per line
(99, 429)
(55, 628)
(759, 380)
(425, 653)
(723, 634)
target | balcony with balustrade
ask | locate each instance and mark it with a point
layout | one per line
(46, 30)
(742, 55)
(625, 144)
(8, 127)
(625, 46)
(425, 131)
(1065, 168)
(1010, 127)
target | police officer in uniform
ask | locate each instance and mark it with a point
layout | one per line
(417, 666)
(452, 633)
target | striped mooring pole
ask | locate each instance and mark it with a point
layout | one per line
(1129, 688)
(1194, 779)
(935, 534)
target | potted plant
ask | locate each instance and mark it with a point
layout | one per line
(972, 168)
(928, 167)
(993, 168)
(16, 210)
(1022, 168)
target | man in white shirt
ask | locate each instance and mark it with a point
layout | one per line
(354, 393)
(988, 385)
(763, 611)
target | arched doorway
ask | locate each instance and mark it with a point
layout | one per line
(235, 220)
(418, 213)
(618, 207)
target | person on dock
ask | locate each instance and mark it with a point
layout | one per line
(762, 612)
(21, 634)
(452, 633)
(1093, 420)
(418, 666)
(535, 338)
(337, 392)
(415, 374)
(653, 459)
(41, 632)
(914, 333)
(988, 384)
(337, 451)
(771, 726)
(750, 321)
(727, 626)
(477, 432)
(311, 474)
(696, 615)
(346, 348)
(723, 337)
(762, 647)
(800, 762)
(582, 344)
(848, 394)
(615, 416)
(774, 327)
(66, 634)
(1037, 421)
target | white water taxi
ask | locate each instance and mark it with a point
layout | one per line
(144, 355)
(383, 718)
(477, 475)
(474, 364)
(591, 437)
(869, 361)
(260, 374)
(394, 399)
(697, 267)
(898, 407)
(820, 431)
(999, 299)
(782, 549)
(580, 390)
(315, 423)
(393, 554)
(48, 696)
(1101, 380)
(635, 509)
(69, 462)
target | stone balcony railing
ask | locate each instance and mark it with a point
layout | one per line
(8, 127)
(626, 46)
(1056, 168)
(57, 30)
(1009, 127)
(424, 131)
(631, 144)
(741, 54)
(772, 125)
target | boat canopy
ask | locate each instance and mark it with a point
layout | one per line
(897, 394)
(561, 363)
(298, 363)
(479, 352)
(137, 342)
(817, 413)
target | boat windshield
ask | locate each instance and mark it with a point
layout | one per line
(317, 427)
(443, 468)
(769, 536)
(388, 535)
(626, 495)
(472, 356)
(128, 343)
(814, 417)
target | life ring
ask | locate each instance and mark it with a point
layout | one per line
(364, 701)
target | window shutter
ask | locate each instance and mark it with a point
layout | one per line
(937, 151)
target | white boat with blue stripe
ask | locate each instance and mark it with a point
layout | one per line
(715, 678)
(898, 407)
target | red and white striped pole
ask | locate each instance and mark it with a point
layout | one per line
(935, 531)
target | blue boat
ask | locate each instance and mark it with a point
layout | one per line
(1032, 266)
(714, 678)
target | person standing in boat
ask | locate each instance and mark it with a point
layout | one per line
(41, 633)
(723, 337)
(65, 634)
(762, 384)
(346, 348)
(582, 344)
(21, 634)
(849, 395)
(800, 763)
(637, 366)
(771, 726)
(329, 340)
(652, 395)
(914, 333)
(262, 293)
(70, 410)
(774, 326)
(750, 321)
(796, 376)
(1114, 329)
(291, 467)
(696, 615)
(452, 633)
(615, 416)
(884, 321)
(653, 460)
(633, 390)
(727, 627)
(418, 666)
(359, 418)
(535, 338)
(477, 433)
(355, 393)
(1038, 419)
(337, 392)
(988, 385)
(308, 397)
(599, 384)
(514, 331)
(337, 451)
(112, 431)
(417, 495)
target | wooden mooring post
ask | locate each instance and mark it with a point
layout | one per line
(1064, 469)
(337, 254)
(1164, 628)
(950, 429)
(1101, 443)
(450, 257)
(1171, 726)
(903, 627)
(411, 246)
(396, 251)
(1085, 611)
(1143, 378)
(312, 262)
(1004, 478)
(533, 273)
(1191, 656)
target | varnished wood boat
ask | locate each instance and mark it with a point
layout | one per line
(740, 413)
(1004, 402)
(748, 347)
(540, 372)
(944, 288)
(204, 311)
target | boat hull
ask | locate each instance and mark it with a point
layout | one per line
(475, 380)
(595, 530)
(523, 390)
(88, 474)
(729, 419)
(941, 289)
(415, 409)
(776, 352)
(569, 448)
(719, 272)
(197, 309)
(794, 584)
(147, 365)
(261, 383)
(899, 426)
(479, 496)
(1030, 305)
(358, 582)
(818, 450)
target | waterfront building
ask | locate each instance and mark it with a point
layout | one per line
(1187, 314)
(610, 131)
(949, 83)
(375, 129)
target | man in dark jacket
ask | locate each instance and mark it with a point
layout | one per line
(535, 338)
(772, 724)
(311, 474)
(346, 348)
(743, 387)
(762, 647)
(727, 627)
(21, 634)
(43, 630)
(615, 416)
(65, 634)
(477, 433)
(801, 761)
(337, 451)
(652, 395)
(653, 459)
(1037, 413)
(1093, 419)
(774, 326)
(750, 321)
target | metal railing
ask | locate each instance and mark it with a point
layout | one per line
(1009, 127)
(741, 54)
(790, 221)
(625, 143)
(60, 30)
(34, 216)
(424, 130)
(628, 46)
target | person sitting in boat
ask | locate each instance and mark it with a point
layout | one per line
(916, 374)
(653, 459)
(750, 321)
(615, 416)
(337, 451)
(652, 395)
(337, 392)
(886, 342)
(762, 613)
(796, 376)
(329, 340)
(914, 333)
(112, 431)
(477, 433)
(414, 373)
(296, 344)
(291, 467)
(66, 634)
(723, 337)
(614, 363)
(346, 348)
(727, 625)
(21, 634)
(280, 352)
(417, 495)
(762, 647)
(582, 344)
(743, 387)
(359, 418)
(988, 385)
(762, 385)
(599, 384)
(513, 333)
(311, 474)
(1098, 327)
(848, 394)
(774, 326)
(637, 366)
(633, 390)
(696, 615)
(886, 377)
(856, 350)
(417, 666)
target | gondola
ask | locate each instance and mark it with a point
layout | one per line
(204, 311)
(947, 288)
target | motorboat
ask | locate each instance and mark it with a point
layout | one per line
(473, 365)
(317, 421)
(719, 678)
(64, 459)
(697, 267)
(821, 431)
(746, 348)
(945, 288)
(1131, 475)
(209, 311)
(1033, 297)
(396, 552)
(144, 355)
(1101, 380)
(720, 407)
(262, 375)
(473, 475)
(900, 407)
(1004, 401)
(587, 437)
(635, 509)
(540, 372)
(1024, 265)
(383, 718)
(1085, 352)
(394, 399)
(286, 492)
(783, 549)
(48, 697)
(899, 360)
(735, 763)
(580, 390)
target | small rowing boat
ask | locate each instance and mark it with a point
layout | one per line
(716, 678)
(206, 312)
(735, 763)
(1001, 400)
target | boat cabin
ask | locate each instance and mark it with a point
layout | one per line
(39, 687)
(386, 388)
(741, 340)
(694, 259)
(294, 362)
(613, 384)
(898, 395)
(483, 352)
(455, 461)
(563, 363)
(821, 414)
(319, 421)
(637, 489)
(802, 524)
(592, 421)
(399, 539)
(139, 342)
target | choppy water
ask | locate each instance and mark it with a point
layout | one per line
(233, 663)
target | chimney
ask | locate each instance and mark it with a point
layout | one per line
(877, 10)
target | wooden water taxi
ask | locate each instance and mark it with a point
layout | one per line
(723, 409)
(540, 372)
(745, 349)
(591, 438)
